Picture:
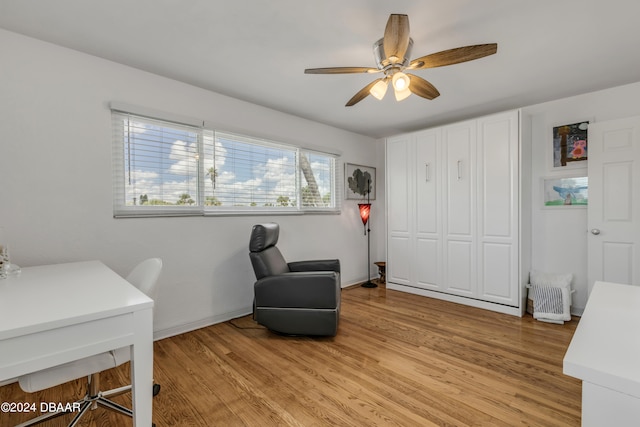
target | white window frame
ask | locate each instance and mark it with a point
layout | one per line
(199, 208)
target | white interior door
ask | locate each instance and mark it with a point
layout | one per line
(614, 202)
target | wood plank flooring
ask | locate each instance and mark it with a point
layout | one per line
(398, 360)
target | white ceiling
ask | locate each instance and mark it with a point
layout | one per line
(257, 50)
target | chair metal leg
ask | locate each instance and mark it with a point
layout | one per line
(85, 407)
(116, 391)
(93, 389)
(92, 400)
(113, 406)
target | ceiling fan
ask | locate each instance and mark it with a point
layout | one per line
(392, 54)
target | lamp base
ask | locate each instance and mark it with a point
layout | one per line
(369, 284)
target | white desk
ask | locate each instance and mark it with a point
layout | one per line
(605, 354)
(58, 313)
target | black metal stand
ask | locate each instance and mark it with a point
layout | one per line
(369, 283)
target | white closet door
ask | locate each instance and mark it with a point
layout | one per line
(399, 209)
(497, 233)
(459, 143)
(428, 220)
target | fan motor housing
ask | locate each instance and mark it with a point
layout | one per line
(381, 59)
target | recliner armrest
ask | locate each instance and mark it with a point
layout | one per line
(316, 265)
(317, 289)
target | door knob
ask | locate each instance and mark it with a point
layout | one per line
(595, 231)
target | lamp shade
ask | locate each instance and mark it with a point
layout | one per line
(365, 209)
(400, 81)
(379, 89)
(401, 84)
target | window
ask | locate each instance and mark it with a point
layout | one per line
(167, 168)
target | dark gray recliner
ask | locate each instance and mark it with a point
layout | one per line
(296, 298)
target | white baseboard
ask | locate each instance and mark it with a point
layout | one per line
(203, 323)
(514, 311)
(355, 282)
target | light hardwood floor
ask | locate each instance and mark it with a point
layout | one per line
(398, 360)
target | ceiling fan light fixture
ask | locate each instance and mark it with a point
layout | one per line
(402, 94)
(400, 81)
(379, 89)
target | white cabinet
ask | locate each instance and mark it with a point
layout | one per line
(453, 213)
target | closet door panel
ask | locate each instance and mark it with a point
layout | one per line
(498, 273)
(399, 210)
(428, 217)
(428, 183)
(460, 272)
(497, 234)
(459, 207)
(459, 144)
(428, 263)
(496, 178)
(399, 185)
(399, 261)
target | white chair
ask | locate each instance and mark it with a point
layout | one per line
(144, 277)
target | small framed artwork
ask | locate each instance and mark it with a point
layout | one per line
(359, 182)
(565, 192)
(569, 146)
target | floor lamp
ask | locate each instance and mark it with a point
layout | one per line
(365, 210)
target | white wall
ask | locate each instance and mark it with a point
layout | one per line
(56, 186)
(559, 242)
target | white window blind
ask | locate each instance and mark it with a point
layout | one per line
(320, 178)
(251, 173)
(156, 166)
(166, 168)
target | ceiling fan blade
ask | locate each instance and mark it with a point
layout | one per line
(396, 38)
(421, 87)
(454, 56)
(362, 94)
(341, 70)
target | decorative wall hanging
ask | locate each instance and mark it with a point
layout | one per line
(570, 144)
(566, 191)
(360, 182)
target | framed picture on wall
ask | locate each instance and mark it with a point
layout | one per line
(569, 145)
(358, 181)
(564, 192)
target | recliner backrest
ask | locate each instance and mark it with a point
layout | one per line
(265, 256)
(263, 236)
